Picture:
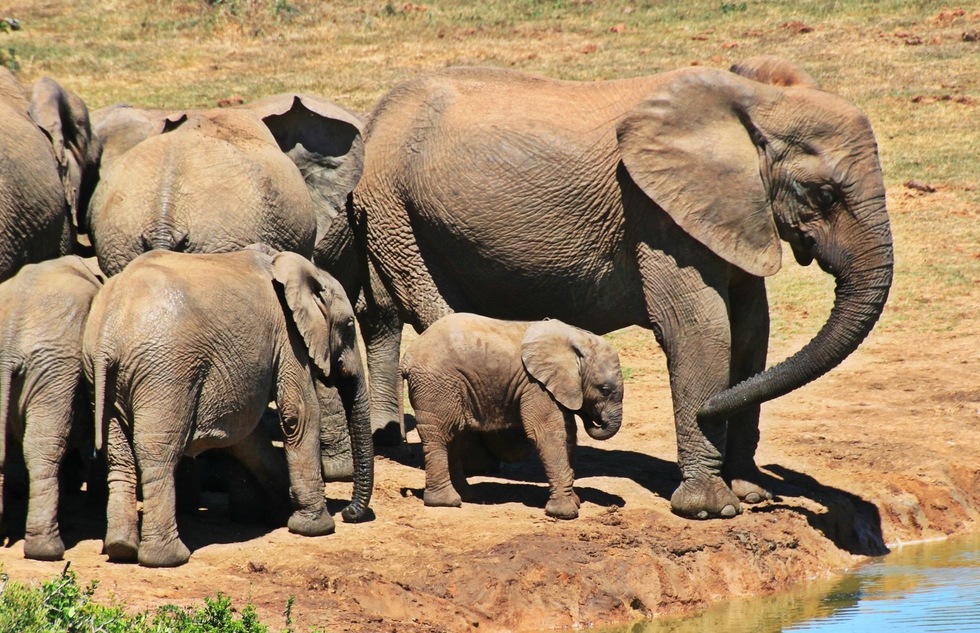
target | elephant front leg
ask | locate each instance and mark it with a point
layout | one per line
(381, 329)
(546, 426)
(300, 419)
(691, 320)
(750, 340)
(122, 520)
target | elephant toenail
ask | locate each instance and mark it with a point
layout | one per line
(703, 514)
(753, 497)
(728, 511)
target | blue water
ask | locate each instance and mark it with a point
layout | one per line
(928, 587)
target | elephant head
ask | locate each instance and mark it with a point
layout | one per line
(65, 120)
(325, 320)
(580, 370)
(738, 164)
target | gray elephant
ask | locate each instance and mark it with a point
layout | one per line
(43, 399)
(656, 201)
(469, 372)
(275, 171)
(185, 351)
(50, 163)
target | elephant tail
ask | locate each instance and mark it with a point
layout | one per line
(6, 378)
(101, 366)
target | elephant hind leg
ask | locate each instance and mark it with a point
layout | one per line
(435, 436)
(157, 454)
(122, 520)
(48, 422)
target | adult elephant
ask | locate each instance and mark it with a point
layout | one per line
(656, 201)
(48, 165)
(275, 171)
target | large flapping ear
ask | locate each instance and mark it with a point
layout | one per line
(551, 357)
(693, 149)
(775, 71)
(65, 119)
(324, 141)
(121, 127)
(304, 298)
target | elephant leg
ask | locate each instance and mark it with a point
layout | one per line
(48, 423)
(122, 519)
(749, 316)
(268, 467)
(157, 454)
(381, 329)
(439, 490)
(691, 322)
(546, 430)
(571, 442)
(300, 419)
(457, 468)
(336, 458)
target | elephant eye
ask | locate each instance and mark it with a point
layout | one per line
(605, 390)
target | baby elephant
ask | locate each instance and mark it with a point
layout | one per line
(43, 400)
(473, 372)
(185, 351)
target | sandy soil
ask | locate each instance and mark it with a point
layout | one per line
(883, 450)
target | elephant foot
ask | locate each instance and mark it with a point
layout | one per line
(316, 524)
(750, 492)
(48, 547)
(121, 546)
(163, 553)
(563, 507)
(708, 498)
(442, 498)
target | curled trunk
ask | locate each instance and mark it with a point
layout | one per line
(862, 289)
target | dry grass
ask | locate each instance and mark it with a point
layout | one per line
(906, 65)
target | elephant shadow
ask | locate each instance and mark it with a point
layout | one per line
(850, 522)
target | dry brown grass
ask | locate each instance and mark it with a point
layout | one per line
(909, 68)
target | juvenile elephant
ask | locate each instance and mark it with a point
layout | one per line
(186, 350)
(50, 164)
(656, 201)
(43, 400)
(275, 171)
(468, 372)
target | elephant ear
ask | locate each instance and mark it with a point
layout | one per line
(323, 140)
(65, 119)
(304, 295)
(775, 71)
(552, 356)
(693, 149)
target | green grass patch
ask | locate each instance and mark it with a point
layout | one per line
(61, 605)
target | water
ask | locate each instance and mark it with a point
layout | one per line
(928, 588)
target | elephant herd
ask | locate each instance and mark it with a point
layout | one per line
(167, 274)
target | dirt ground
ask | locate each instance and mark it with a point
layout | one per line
(881, 451)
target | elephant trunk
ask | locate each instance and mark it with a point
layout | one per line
(609, 425)
(353, 392)
(862, 288)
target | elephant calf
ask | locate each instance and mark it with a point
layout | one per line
(185, 351)
(42, 395)
(472, 372)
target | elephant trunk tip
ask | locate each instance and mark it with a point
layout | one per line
(357, 513)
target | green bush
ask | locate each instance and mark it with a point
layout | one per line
(62, 606)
